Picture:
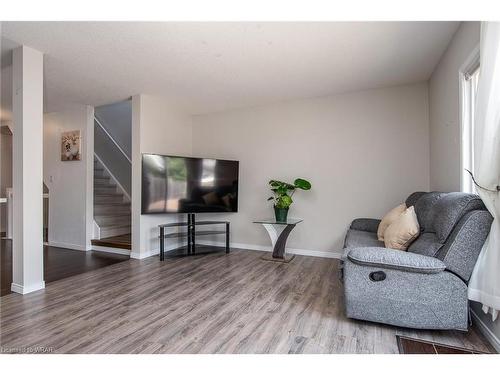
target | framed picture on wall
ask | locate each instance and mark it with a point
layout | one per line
(70, 145)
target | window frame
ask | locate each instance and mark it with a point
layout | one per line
(467, 93)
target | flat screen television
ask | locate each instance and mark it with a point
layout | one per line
(176, 184)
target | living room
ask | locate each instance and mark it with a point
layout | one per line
(276, 187)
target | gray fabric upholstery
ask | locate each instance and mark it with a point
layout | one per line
(395, 259)
(448, 210)
(367, 225)
(408, 299)
(423, 209)
(425, 244)
(464, 245)
(413, 198)
(454, 227)
(360, 238)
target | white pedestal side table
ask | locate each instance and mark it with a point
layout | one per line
(278, 232)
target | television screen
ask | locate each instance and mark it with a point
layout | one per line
(175, 184)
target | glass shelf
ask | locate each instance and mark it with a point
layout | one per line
(196, 233)
(289, 221)
(185, 223)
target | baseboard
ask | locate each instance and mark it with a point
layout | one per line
(244, 246)
(136, 255)
(21, 289)
(153, 252)
(69, 246)
(112, 250)
(486, 331)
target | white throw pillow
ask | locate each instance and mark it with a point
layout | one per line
(403, 231)
(388, 219)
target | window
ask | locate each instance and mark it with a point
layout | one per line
(469, 77)
(208, 172)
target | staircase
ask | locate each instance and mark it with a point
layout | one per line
(111, 207)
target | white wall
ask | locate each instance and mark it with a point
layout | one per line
(117, 119)
(70, 183)
(444, 109)
(363, 152)
(445, 131)
(157, 127)
(6, 173)
(6, 93)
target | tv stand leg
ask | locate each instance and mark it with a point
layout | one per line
(162, 243)
(193, 234)
(227, 238)
(191, 247)
(189, 234)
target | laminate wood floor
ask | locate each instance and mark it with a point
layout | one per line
(212, 303)
(58, 263)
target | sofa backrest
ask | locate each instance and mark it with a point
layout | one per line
(449, 209)
(413, 198)
(424, 211)
(461, 250)
(453, 228)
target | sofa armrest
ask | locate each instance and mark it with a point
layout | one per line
(367, 225)
(395, 259)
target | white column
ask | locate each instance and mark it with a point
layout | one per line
(27, 103)
(137, 248)
(9, 213)
(88, 159)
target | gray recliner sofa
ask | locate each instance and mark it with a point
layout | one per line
(426, 286)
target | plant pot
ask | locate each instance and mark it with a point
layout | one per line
(280, 214)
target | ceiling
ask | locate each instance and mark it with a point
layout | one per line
(210, 67)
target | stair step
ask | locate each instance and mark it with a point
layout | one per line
(116, 204)
(115, 226)
(122, 242)
(118, 219)
(104, 190)
(111, 209)
(119, 206)
(111, 212)
(110, 195)
(116, 230)
(108, 187)
(101, 183)
(103, 199)
(105, 216)
(99, 173)
(106, 193)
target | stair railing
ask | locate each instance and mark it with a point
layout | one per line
(96, 120)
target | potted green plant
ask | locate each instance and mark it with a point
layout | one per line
(282, 196)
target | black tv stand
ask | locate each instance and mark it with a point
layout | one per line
(191, 233)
